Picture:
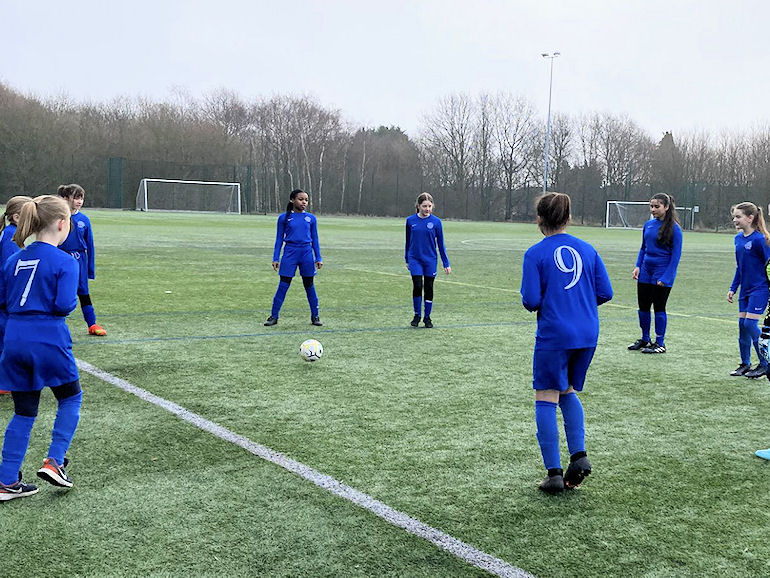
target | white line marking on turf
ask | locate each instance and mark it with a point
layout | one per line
(444, 541)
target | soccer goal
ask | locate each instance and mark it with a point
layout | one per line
(633, 215)
(202, 196)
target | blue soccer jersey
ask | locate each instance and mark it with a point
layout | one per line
(7, 246)
(297, 230)
(81, 240)
(423, 237)
(564, 280)
(659, 262)
(751, 256)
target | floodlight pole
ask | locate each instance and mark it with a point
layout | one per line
(551, 56)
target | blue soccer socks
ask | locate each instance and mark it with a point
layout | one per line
(645, 320)
(744, 341)
(752, 329)
(428, 308)
(64, 426)
(547, 433)
(574, 422)
(661, 320)
(280, 295)
(15, 447)
(312, 300)
(89, 314)
(417, 303)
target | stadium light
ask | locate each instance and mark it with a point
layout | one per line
(551, 56)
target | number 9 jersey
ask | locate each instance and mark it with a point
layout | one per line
(564, 280)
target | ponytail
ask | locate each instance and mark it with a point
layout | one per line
(761, 227)
(39, 213)
(666, 231)
(12, 207)
(750, 209)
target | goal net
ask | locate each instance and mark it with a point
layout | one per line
(203, 196)
(633, 215)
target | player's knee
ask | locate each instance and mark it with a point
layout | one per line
(307, 282)
(67, 390)
(85, 300)
(285, 279)
(26, 403)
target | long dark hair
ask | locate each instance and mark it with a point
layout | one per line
(292, 196)
(554, 211)
(666, 231)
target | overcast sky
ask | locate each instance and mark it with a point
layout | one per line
(669, 65)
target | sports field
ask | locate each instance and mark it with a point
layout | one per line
(436, 424)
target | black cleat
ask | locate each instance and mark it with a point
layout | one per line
(639, 344)
(577, 471)
(758, 371)
(17, 490)
(655, 348)
(316, 320)
(552, 484)
(415, 321)
(428, 323)
(271, 321)
(742, 369)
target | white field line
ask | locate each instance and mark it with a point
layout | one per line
(610, 304)
(444, 541)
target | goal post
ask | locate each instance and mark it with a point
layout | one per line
(633, 215)
(179, 195)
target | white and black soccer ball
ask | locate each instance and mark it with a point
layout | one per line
(311, 350)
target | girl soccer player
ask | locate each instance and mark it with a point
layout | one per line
(423, 234)
(80, 244)
(38, 289)
(8, 247)
(564, 280)
(752, 251)
(655, 271)
(297, 232)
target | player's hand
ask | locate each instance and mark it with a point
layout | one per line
(660, 283)
(319, 265)
(447, 270)
(635, 274)
(730, 296)
(275, 265)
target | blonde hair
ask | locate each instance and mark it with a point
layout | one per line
(422, 197)
(72, 191)
(38, 214)
(751, 210)
(12, 207)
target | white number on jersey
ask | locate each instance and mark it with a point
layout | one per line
(577, 264)
(20, 266)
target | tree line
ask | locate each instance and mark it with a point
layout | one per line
(480, 156)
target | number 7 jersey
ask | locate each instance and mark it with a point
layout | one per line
(39, 280)
(564, 280)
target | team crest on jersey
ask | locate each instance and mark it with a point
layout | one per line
(307, 218)
(81, 225)
(747, 246)
(430, 225)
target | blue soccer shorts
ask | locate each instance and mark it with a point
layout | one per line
(422, 268)
(754, 303)
(297, 256)
(558, 369)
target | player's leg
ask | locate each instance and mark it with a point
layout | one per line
(307, 271)
(755, 310)
(744, 339)
(415, 270)
(89, 314)
(549, 378)
(644, 296)
(574, 417)
(279, 297)
(428, 292)
(70, 398)
(15, 444)
(659, 299)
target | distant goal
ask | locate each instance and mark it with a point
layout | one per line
(178, 195)
(633, 215)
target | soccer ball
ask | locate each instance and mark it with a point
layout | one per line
(311, 350)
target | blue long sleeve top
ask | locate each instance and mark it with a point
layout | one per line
(751, 256)
(660, 260)
(423, 237)
(81, 240)
(297, 229)
(564, 279)
(7, 246)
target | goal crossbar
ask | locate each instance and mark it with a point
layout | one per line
(189, 195)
